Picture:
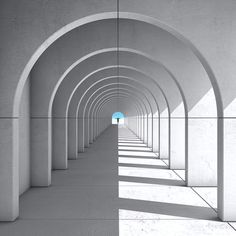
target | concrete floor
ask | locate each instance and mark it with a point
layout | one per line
(125, 191)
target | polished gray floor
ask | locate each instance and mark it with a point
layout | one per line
(118, 187)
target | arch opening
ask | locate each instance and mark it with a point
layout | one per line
(120, 122)
(118, 118)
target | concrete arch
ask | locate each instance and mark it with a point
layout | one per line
(59, 129)
(107, 67)
(36, 55)
(121, 78)
(112, 97)
(111, 100)
(71, 114)
(140, 93)
(163, 121)
(100, 99)
(112, 15)
(81, 95)
(167, 154)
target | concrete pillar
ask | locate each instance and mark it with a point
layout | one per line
(142, 128)
(72, 138)
(86, 132)
(150, 130)
(177, 138)
(91, 129)
(9, 167)
(41, 153)
(226, 165)
(94, 128)
(164, 134)
(59, 142)
(202, 143)
(80, 134)
(145, 125)
(156, 134)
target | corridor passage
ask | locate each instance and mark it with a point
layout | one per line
(118, 187)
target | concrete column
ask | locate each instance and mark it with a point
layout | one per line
(97, 127)
(156, 134)
(145, 125)
(72, 139)
(202, 143)
(86, 134)
(164, 134)
(91, 130)
(137, 125)
(150, 130)
(142, 128)
(59, 149)
(226, 165)
(41, 154)
(80, 134)
(177, 138)
(9, 167)
(94, 128)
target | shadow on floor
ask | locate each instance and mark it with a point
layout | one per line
(168, 182)
(84, 200)
(179, 210)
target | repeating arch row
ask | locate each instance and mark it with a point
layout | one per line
(165, 87)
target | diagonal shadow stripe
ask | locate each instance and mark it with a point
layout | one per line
(157, 181)
(179, 210)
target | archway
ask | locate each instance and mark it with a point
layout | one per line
(44, 121)
(118, 118)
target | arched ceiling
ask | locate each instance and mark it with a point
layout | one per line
(147, 52)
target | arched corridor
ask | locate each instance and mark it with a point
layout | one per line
(163, 71)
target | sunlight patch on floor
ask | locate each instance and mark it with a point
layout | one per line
(174, 228)
(136, 153)
(128, 148)
(132, 144)
(160, 193)
(140, 215)
(147, 173)
(141, 161)
(153, 200)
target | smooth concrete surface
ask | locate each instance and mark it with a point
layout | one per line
(24, 140)
(59, 143)
(164, 134)
(178, 138)
(202, 152)
(227, 195)
(202, 142)
(106, 193)
(72, 151)
(9, 171)
(156, 134)
(41, 156)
